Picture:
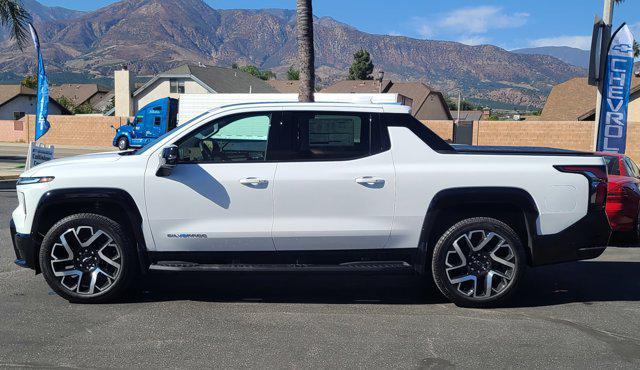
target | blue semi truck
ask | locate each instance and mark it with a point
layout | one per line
(149, 123)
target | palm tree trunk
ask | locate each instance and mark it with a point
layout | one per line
(306, 56)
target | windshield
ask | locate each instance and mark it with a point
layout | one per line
(162, 137)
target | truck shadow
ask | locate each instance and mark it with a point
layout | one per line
(583, 282)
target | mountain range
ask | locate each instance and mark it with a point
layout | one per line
(573, 56)
(150, 36)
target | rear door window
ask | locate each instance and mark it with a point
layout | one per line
(321, 136)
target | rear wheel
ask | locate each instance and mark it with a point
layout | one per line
(123, 143)
(88, 258)
(478, 262)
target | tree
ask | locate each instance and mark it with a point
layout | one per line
(85, 108)
(30, 81)
(293, 74)
(362, 66)
(306, 54)
(16, 18)
(110, 105)
(255, 71)
(452, 103)
(67, 103)
(636, 49)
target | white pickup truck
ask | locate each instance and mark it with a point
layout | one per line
(316, 187)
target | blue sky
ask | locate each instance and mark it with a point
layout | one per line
(508, 23)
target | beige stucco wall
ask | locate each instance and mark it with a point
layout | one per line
(25, 104)
(162, 89)
(634, 108)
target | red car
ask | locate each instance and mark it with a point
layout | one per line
(623, 199)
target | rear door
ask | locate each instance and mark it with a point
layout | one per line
(334, 185)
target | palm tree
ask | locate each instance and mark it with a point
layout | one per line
(16, 18)
(306, 55)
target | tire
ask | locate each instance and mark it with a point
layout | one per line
(88, 258)
(123, 143)
(474, 253)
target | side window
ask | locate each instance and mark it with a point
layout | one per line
(317, 136)
(236, 138)
(632, 169)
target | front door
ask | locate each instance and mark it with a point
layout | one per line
(334, 185)
(220, 195)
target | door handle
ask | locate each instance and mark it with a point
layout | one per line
(369, 180)
(253, 181)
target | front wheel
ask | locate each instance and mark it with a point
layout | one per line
(478, 262)
(88, 258)
(123, 143)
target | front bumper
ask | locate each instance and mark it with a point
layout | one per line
(586, 239)
(24, 248)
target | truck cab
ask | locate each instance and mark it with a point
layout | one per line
(149, 123)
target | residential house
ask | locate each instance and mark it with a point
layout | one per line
(198, 79)
(80, 94)
(575, 100)
(16, 101)
(425, 102)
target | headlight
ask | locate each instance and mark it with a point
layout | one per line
(33, 180)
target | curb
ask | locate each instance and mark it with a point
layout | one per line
(8, 177)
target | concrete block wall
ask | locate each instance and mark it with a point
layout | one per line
(444, 129)
(65, 130)
(554, 134)
(14, 131)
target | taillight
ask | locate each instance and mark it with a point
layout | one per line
(615, 198)
(597, 176)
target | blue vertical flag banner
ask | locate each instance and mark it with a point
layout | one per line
(612, 130)
(42, 109)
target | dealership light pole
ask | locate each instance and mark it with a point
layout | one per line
(607, 18)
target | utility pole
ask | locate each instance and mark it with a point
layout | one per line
(607, 18)
(459, 103)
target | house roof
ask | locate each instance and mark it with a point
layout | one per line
(215, 79)
(77, 93)
(357, 87)
(468, 115)
(574, 100)
(285, 86)
(10, 92)
(418, 92)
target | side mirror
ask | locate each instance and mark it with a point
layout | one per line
(113, 127)
(168, 161)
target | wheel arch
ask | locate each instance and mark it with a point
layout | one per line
(114, 203)
(514, 206)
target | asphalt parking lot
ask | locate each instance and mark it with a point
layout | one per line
(578, 315)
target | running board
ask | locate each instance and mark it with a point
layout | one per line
(377, 266)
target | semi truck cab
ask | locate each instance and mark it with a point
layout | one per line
(149, 123)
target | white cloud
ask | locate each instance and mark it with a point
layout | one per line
(635, 29)
(481, 19)
(394, 33)
(467, 24)
(423, 27)
(580, 42)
